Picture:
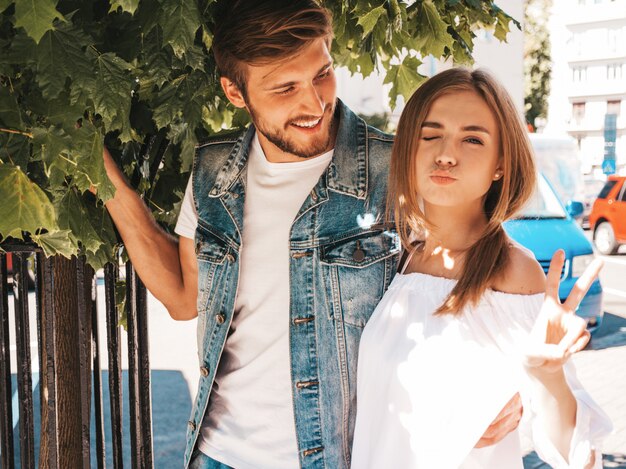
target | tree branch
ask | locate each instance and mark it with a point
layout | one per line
(18, 132)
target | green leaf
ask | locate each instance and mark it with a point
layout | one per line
(101, 221)
(74, 216)
(120, 301)
(4, 4)
(49, 144)
(112, 93)
(207, 38)
(86, 151)
(19, 51)
(179, 19)
(58, 111)
(25, 206)
(15, 149)
(10, 116)
(405, 79)
(57, 243)
(502, 27)
(365, 64)
(369, 20)
(36, 16)
(60, 54)
(433, 31)
(182, 98)
(126, 5)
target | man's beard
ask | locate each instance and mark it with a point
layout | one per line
(279, 138)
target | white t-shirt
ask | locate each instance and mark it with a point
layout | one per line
(250, 422)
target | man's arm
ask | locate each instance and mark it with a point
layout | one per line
(166, 266)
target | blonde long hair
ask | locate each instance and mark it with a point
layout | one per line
(488, 257)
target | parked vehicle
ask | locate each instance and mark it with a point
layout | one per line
(558, 159)
(547, 225)
(608, 216)
(591, 189)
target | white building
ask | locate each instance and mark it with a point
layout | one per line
(589, 76)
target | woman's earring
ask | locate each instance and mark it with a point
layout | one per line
(497, 176)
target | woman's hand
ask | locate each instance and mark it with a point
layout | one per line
(559, 332)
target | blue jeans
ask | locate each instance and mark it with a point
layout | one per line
(199, 460)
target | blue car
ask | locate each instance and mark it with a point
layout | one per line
(545, 226)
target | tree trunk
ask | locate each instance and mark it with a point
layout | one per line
(68, 362)
(72, 324)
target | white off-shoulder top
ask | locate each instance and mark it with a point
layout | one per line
(429, 386)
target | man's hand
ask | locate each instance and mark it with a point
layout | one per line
(504, 423)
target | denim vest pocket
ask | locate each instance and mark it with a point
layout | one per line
(211, 252)
(352, 269)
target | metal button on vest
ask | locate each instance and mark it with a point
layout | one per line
(204, 371)
(358, 255)
(220, 318)
(192, 425)
(230, 257)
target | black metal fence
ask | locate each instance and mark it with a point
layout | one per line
(31, 273)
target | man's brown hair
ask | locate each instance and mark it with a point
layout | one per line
(259, 32)
(488, 257)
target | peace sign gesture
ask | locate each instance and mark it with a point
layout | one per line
(558, 332)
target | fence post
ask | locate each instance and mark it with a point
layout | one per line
(6, 413)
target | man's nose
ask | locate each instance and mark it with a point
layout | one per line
(313, 102)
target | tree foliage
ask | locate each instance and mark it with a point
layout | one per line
(537, 59)
(75, 74)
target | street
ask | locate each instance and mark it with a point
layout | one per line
(602, 367)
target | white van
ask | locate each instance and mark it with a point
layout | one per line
(558, 159)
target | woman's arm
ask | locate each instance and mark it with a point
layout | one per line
(556, 334)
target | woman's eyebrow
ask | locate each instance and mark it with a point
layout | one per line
(468, 128)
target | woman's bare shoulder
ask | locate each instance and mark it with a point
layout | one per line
(523, 274)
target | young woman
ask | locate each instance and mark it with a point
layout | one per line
(464, 325)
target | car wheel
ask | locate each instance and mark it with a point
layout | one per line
(604, 239)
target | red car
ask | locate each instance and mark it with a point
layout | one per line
(608, 216)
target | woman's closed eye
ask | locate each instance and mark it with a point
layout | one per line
(474, 141)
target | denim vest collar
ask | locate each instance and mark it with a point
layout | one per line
(342, 175)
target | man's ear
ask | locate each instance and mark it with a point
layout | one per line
(233, 93)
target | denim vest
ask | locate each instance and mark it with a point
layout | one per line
(343, 257)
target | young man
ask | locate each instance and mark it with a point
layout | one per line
(283, 251)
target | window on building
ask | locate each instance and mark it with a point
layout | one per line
(614, 71)
(579, 73)
(614, 38)
(613, 107)
(578, 111)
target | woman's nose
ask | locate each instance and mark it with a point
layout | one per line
(446, 156)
